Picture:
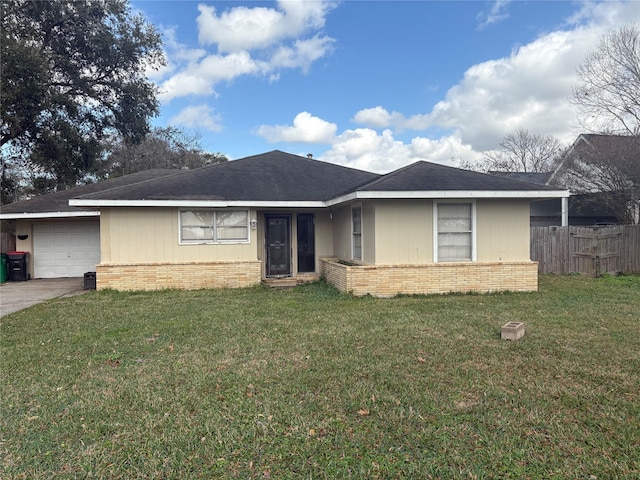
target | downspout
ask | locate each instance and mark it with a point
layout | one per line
(565, 211)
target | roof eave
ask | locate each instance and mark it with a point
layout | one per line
(435, 194)
(197, 203)
(38, 215)
(429, 194)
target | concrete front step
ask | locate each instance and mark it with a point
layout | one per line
(288, 282)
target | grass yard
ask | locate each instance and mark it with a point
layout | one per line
(310, 383)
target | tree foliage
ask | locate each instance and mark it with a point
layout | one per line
(167, 147)
(608, 93)
(522, 151)
(72, 73)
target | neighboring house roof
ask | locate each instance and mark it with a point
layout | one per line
(541, 178)
(589, 143)
(603, 143)
(57, 204)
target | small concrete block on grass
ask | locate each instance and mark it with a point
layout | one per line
(512, 330)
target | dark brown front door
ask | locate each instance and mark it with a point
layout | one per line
(278, 242)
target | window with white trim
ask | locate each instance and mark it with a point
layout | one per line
(356, 232)
(214, 226)
(455, 234)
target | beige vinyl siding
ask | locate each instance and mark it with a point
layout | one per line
(342, 231)
(503, 230)
(369, 232)
(395, 232)
(105, 235)
(324, 236)
(404, 232)
(151, 235)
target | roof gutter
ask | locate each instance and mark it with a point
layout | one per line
(435, 194)
(528, 194)
(195, 203)
(30, 215)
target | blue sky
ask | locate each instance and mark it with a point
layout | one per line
(374, 85)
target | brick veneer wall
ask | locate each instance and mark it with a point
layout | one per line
(181, 275)
(390, 280)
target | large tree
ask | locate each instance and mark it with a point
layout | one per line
(168, 147)
(520, 151)
(72, 73)
(608, 92)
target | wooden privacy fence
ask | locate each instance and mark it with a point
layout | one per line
(588, 250)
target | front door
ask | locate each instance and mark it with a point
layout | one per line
(278, 243)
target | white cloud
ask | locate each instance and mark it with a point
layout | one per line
(305, 129)
(178, 51)
(366, 149)
(379, 117)
(200, 78)
(302, 54)
(198, 117)
(528, 89)
(605, 15)
(243, 28)
(253, 41)
(376, 117)
(531, 88)
(175, 53)
(495, 14)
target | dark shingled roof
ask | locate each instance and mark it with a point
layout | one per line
(270, 177)
(426, 176)
(532, 177)
(597, 146)
(273, 176)
(612, 143)
(59, 201)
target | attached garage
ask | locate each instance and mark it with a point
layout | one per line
(64, 241)
(65, 248)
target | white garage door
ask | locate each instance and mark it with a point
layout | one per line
(65, 249)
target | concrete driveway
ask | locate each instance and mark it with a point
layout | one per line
(15, 296)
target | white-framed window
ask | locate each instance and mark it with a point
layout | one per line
(454, 231)
(214, 226)
(356, 232)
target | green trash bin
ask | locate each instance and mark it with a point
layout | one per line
(3, 267)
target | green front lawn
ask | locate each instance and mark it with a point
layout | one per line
(310, 383)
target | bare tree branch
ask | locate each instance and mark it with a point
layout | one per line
(608, 165)
(609, 90)
(522, 151)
